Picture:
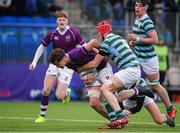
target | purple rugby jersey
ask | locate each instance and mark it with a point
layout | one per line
(80, 56)
(66, 41)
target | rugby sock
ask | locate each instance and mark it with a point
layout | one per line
(110, 111)
(108, 107)
(167, 120)
(44, 105)
(112, 116)
(169, 108)
(120, 114)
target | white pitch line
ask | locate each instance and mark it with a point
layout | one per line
(74, 120)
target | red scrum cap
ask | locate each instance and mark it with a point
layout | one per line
(103, 27)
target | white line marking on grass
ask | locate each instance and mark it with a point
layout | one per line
(74, 120)
(87, 132)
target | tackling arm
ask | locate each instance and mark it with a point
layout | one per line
(92, 64)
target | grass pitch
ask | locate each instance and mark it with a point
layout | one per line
(73, 117)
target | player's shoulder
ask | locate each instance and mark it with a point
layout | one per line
(73, 29)
(113, 37)
(53, 31)
(147, 19)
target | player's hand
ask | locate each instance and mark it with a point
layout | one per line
(132, 37)
(127, 112)
(32, 66)
(131, 43)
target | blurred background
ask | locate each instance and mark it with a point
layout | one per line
(23, 23)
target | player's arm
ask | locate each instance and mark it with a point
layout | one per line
(92, 64)
(95, 50)
(92, 45)
(38, 54)
(44, 43)
(151, 39)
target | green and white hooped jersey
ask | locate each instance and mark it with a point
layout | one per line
(115, 47)
(141, 28)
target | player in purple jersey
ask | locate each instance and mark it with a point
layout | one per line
(93, 79)
(77, 57)
(64, 37)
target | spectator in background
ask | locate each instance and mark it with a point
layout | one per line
(130, 5)
(49, 7)
(102, 9)
(162, 52)
(98, 10)
(56, 5)
(159, 11)
(178, 4)
(13, 7)
(19, 8)
(118, 12)
(5, 3)
(32, 7)
(89, 8)
(160, 17)
(4, 6)
(171, 10)
(37, 7)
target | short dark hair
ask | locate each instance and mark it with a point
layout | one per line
(56, 56)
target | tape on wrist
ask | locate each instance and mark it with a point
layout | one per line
(137, 39)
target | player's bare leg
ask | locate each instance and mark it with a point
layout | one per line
(157, 116)
(163, 94)
(49, 82)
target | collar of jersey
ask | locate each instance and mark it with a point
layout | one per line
(64, 31)
(143, 17)
(109, 35)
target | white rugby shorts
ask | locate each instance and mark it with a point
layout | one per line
(102, 76)
(151, 66)
(64, 75)
(129, 76)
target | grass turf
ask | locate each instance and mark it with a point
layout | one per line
(73, 117)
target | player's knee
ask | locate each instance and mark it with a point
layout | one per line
(94, 103)
(108, 86)
(153, 84)
(46, 92)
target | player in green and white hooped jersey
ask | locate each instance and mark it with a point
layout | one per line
(117, 49)
(143, 37)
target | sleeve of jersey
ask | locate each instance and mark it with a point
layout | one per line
(79, 39)
(148, 26)
(47, 39)
(103, 50)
